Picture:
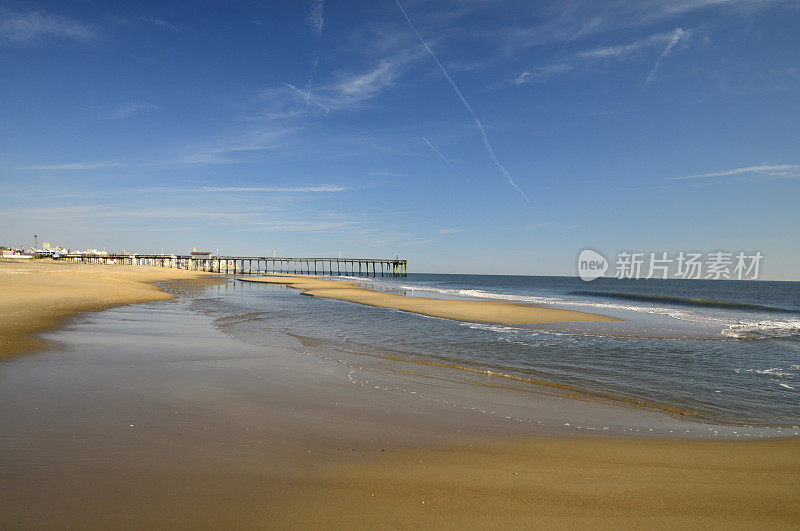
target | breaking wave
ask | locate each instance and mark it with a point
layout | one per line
(686, 301)
(731, 328)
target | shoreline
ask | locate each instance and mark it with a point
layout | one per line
(150, 406)
(39, 295)
(482, 311)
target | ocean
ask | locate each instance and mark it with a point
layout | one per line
(723, 351)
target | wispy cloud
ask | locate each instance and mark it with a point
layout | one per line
(571, 21)
(134, 21)
(231, 150)
(384, 173)
(534, 226)
(347, 91)
(315, 16)
(416, 243)
(677, 36)
(780, 170)
(438, 153)
(160, 22)
(379, 58)
(475, 119)
(99, 212)
(542, 74)
(290, 189)
(366, 85)
(631, 50)
(635, 49)
(306, 94)
(127, 110)
(224, 150)
(303, 226)
(231, 217)
(34, 27)
(622, 51)
(310, 80)
(449, 231)
(317, 20)
(599, 113)
(69, 166)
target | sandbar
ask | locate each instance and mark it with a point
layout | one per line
(459, 310)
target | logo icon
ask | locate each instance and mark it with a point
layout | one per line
(591, 265)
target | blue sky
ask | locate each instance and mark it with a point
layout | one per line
(524, 132)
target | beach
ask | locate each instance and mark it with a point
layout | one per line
(38, 295)
(162, 411)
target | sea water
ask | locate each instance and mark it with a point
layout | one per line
(728, 351)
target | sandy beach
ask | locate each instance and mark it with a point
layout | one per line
(459, 310)
(446, 264)
(38, 295)
(149, 416)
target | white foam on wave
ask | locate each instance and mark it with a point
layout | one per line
(789, 328)
(776, 372)
(513, 333)
(481, 294)
(730, 327)
(491, 327)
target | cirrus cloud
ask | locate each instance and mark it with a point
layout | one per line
(34, 27)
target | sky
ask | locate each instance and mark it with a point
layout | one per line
(472, 136)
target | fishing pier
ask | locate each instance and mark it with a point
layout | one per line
(253, 265)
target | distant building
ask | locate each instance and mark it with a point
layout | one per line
(15, 254)
(52, 250)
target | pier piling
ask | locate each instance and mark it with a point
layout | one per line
(244, 264)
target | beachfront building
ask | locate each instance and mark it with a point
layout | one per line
(52, 250)
(15, 254)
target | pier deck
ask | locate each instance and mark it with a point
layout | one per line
(254, 265)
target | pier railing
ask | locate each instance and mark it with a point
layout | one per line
(254, 265)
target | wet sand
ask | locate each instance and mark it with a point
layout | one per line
(459, 310)
(148, 416)
(38, 295)
(560, 483)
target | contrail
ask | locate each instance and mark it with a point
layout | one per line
(477, 122)
(438, 152)
(676, 37)
(307, 96)
(317, 20)
(311, 79)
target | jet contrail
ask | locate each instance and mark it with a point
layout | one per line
(308, 98)
(310, 81)
(477, 122)
(438, 152)
(315, 16)
(676, 37)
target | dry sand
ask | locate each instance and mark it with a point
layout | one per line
(37, 295)
(459, 310)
